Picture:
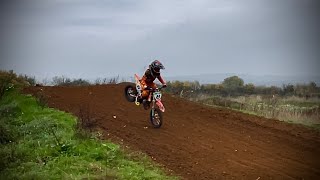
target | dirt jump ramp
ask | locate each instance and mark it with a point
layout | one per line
(196, 141)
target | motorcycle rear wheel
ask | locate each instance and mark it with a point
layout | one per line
(130, 93)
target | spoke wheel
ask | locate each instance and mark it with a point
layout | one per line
(156, 117)
(130, 93)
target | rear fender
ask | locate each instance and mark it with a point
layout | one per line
(137, 78)
(138, 85)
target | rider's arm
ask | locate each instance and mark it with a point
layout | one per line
(163, 82)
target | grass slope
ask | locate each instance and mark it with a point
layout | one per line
(44, 143)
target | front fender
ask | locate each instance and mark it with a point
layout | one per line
(160, 105)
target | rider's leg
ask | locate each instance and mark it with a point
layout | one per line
(146, 105)
(154, 86)
(144, 93)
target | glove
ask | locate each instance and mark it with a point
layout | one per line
(164, 86)
(148, 88)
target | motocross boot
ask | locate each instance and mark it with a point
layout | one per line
(140, 99)
(146, 104)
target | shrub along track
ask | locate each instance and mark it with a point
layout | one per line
(196, 141)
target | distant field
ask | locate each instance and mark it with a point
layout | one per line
(289, 109)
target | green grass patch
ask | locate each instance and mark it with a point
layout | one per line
(43, 143)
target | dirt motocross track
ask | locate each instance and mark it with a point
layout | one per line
(196, 141)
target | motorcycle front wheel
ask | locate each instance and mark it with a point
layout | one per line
(156, 117)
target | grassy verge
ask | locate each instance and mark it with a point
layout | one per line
(43, 143)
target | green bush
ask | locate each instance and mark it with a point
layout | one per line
(7, 132)
(10, 80)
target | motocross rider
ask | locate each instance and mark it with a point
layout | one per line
(147, 83)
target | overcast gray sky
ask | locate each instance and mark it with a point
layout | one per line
(93, 38)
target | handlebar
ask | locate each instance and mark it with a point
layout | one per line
(153, 90)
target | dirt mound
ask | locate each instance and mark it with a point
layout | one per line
(195, 141)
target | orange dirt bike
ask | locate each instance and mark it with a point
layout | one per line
(133, 94)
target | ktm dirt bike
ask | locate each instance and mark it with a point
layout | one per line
(134, 94)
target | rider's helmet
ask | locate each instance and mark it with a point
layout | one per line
(155, 67)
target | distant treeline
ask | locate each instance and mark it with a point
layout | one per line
(235, 86)
(231, 86)
(65, 81)
(10, 77)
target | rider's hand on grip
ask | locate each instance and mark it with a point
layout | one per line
(164, 86)
(148, 88)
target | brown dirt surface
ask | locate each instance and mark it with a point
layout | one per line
(196, 141)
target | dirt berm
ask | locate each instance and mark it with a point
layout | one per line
(196, 141)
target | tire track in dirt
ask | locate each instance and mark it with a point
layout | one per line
(196, 141)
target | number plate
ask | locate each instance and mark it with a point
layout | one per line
(157, 95)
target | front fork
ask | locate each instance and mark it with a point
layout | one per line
(152, 108)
